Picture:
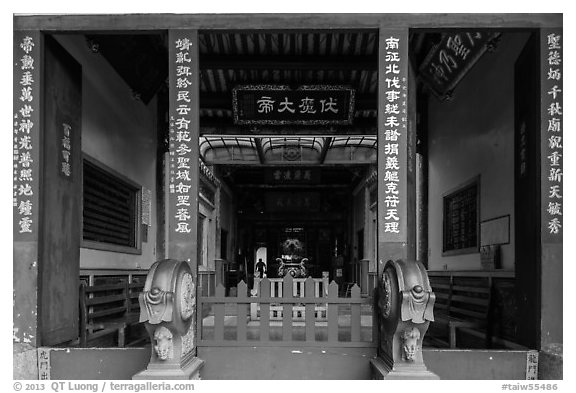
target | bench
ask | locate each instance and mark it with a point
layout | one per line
(463, 304)
(476, 305)
(108, 306)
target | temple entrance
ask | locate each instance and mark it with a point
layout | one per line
(338, 169)
(296, 153)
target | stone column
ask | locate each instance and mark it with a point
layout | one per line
(405, 299)
(181, 206)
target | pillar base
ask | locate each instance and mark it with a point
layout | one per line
(190, 370)
(550, 362)
(382, 370)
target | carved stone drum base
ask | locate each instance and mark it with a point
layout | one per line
(190, 370)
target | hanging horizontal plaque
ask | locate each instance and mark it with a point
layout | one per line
(451, 59)
(280, 105)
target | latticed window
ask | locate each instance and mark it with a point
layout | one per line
(110, 211)
(461, 215)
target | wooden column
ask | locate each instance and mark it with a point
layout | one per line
(183, 165)
(182, 206)
(551, 193)
(396, 151)
(405, 299)
(26, 183)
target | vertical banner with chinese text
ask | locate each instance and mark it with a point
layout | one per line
(552, 196)
(183, 156)
(392, 136)
(26, 135)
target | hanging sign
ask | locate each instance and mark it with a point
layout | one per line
(451, 59)
(280, 105)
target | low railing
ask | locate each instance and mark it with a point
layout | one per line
(206, 282)
(348, 321)
(299, 289)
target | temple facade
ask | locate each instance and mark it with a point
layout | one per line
(381, 191)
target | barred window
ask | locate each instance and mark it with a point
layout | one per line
(110, 210)
(461, 219)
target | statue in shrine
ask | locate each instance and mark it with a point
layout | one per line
(292, 261)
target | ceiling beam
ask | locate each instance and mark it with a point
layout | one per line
(225, 127)
(297, 21)
(280, 62)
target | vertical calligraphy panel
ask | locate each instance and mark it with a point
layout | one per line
(183, 156)
(392, 144)
(183, 166)
(551, 50)
(26, 135)
(552, 191)
(26, 186)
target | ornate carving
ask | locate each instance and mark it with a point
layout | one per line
(187, 297)
(163, 344)
(168, 306)
(385, 301)
(159, 305)
(410, 345)
(416, 305)
(188, 341)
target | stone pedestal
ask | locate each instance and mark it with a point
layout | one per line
(168, 309)
(188, 370)
(405, 309)
(550, 362)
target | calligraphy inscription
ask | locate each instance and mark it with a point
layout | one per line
(23, 173)
(277, 104)
(180, 182)
(394, 125)
(553, 101)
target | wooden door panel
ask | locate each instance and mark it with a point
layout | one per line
(61, 196)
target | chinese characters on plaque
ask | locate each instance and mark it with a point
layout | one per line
(23, 143)
(552, 101)
(292, 175)
(66, 167)
(307, 105)
(450, 59)
(395, 119)
(44, 364)
(180, 150)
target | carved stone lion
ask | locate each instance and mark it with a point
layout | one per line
(163, 344)
(410, 339)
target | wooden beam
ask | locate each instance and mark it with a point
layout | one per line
(293, 186)
(260, 151)
(276, 22)
(212, 127)
(255, 62)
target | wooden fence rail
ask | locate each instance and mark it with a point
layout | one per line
(229, 324)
